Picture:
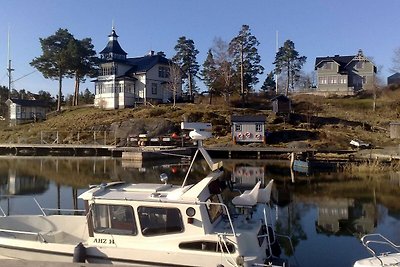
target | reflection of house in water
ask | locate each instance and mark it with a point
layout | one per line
(345, 217)
(16, 184)
(248, 176)
(395, 178)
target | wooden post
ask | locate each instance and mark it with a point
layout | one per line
(292, 160)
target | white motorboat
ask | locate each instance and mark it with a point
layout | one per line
(152, 225)
(375, 243)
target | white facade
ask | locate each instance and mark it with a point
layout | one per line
(124, 82)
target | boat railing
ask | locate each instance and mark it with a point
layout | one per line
(38, 235)
(225, 211)
(42, 209)
(378, 239)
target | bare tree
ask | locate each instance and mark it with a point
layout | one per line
(396, 60)
(175, 81)
(223, 61)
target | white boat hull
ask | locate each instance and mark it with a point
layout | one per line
(387, 260)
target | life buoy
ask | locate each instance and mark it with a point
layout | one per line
(258, 136)
(248, 134)
(240, 136)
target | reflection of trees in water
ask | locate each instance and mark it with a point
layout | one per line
(80, 172)
(289, 224)
(22, 185)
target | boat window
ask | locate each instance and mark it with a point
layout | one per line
(114, 219)
(208, 246)
(213, 207)
(159, 221)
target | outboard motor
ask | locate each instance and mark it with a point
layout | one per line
(79, 253)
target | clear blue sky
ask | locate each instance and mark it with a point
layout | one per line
(317, 27)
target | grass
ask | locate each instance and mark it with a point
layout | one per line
(326, 122)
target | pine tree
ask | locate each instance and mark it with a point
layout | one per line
(55, 60)
(84, 62)
(185, 58)
(269, 83)
(246, 59)
(209, 73)
(287, 60)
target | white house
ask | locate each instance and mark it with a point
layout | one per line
(24, 110)
(248, 129)
(124, 82)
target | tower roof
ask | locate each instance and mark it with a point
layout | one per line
(113, 46)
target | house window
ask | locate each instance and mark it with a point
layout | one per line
(258, 127)
(113, 219)
(343, 80)
(163, 72)
(159, 221)
(154, 88)
(364, 79)
(328, 65)
(332, 80)
(360, 65)
(238, 127)
(323, 80)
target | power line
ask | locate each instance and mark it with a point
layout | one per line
(24, 76)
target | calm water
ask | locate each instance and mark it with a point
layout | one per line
(324, 213)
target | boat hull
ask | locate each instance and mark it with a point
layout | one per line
(387, 260)
(48, 255)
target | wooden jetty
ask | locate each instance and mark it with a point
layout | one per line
(58, 150)
(144, 153)
(155, 153)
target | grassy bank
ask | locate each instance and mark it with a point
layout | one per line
(317, 122)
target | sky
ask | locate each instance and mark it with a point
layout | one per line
(317, 27)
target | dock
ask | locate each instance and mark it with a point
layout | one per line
(147, 153)
(154, 153)
(58, 150)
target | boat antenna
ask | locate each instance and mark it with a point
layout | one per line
(199, 132)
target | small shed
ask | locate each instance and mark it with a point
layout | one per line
(248, 129)
(24, 110)
(281, 104)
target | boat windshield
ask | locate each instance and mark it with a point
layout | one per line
(114, 219)
(214, 208)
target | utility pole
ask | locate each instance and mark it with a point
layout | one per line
(276, 50)
(9, 69)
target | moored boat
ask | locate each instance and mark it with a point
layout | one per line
(375, 243)
(147, 224)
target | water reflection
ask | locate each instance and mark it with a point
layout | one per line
(321, 212)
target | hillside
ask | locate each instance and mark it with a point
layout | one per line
(317, 122)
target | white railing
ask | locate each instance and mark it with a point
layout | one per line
(378, 239)
(42, 210)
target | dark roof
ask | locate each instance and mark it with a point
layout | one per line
(113, 45)
(396, 75)
(28, 103)
(248, 118)
(143, 64)
(341, 60)
(280, 98)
